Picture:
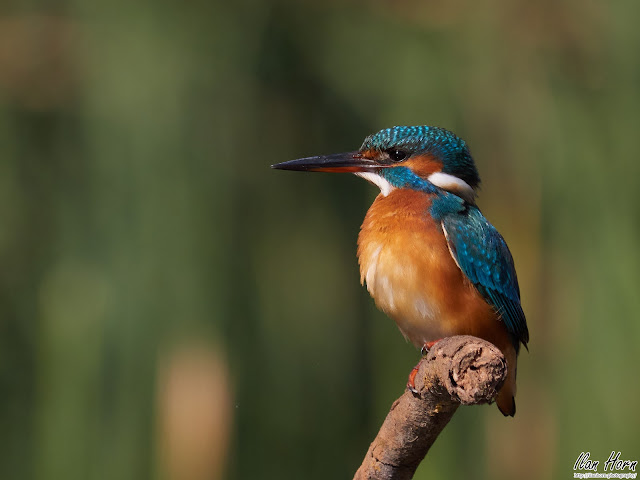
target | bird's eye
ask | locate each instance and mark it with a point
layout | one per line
(397, 155)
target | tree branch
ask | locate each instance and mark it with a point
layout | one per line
(457, 370)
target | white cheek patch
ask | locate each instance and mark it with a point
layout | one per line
(384, 186)
(453, 184)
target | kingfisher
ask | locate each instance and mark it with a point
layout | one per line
(428, 256)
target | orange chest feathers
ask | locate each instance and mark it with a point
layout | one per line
(408, 270)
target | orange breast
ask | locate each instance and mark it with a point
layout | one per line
(409, 271)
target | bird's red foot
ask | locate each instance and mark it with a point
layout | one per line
(411, 383)
(428, 346)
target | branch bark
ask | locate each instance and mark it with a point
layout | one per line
(461, 370)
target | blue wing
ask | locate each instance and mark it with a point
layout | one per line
(483, 256)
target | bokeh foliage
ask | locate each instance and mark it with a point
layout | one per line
(172, 308)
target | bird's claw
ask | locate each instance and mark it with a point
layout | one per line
(411, 383)
(428, 346)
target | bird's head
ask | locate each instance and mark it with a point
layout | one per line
(419, 158)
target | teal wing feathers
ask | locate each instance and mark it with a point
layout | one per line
(483, 256)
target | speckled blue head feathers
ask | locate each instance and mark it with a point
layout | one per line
(444, 145)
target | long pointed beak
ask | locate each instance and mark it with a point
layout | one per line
(338, 162)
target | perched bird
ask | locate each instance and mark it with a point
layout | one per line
(429, 258)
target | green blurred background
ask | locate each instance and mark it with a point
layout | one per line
(171, 308)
